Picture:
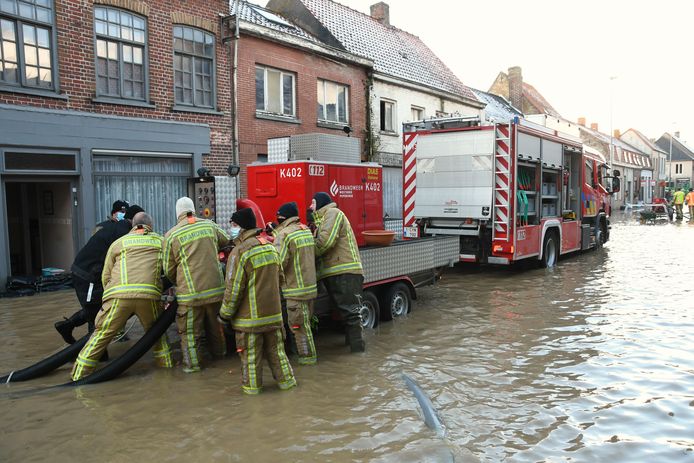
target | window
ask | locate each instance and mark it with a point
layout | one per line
(417, 113)
(589, 173)
(26, 44)
(387, 116)
(333, 101)
(678, 168)
(274, 91)
(120, 54)
(193, 67)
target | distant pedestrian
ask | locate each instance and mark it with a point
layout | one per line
(690, 202)
(118, 211)
(678, 201)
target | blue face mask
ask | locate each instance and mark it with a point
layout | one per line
(234, 232)
(120, 216)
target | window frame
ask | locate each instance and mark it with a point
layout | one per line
(393, 116)
(282, 72)
(121, 99)
(325, 120)
(420, 110)
(21, 86)
(213, 73)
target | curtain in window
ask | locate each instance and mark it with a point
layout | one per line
(153, 183)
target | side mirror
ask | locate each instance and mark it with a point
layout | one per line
(616, 183)
(615, 173)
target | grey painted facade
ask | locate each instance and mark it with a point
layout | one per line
(70, 133)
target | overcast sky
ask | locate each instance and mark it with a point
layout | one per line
(569, 50)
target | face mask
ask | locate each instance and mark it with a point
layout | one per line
(120, 216)
(234, 232)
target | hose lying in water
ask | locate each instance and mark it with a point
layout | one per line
(431, 417)
(132, 355)
(48, 364)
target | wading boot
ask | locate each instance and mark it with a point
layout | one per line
(355, 338)
(64, 328)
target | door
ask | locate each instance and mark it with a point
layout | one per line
(41, 231)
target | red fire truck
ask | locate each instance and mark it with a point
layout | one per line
(511, 191)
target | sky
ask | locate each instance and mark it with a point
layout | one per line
(569, 50)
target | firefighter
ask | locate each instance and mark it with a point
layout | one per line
(131, 286)
(118, 211)
(294, 242)
(191, 263)
(339, 265)
(678, 201)
(86, 274)
(252, 305)
(690, 203)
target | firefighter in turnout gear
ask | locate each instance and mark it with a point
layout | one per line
(86, 274)
(253, 307)
(132, 285)
(294, 242)
(339, 265)
(191, 263)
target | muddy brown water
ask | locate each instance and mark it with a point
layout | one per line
(590, 361)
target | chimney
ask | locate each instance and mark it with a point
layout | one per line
(515, 87)
(381, 13)
(582, 121)
(677, 134)
(617, 133)
(594, 126)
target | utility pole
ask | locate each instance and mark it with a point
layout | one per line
(612, 78)
(669, 163)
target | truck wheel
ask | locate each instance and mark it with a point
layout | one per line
(369, 310)
(396, 301)
(550, 251)
(601, 238)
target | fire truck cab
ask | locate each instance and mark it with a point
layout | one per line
(511, 191)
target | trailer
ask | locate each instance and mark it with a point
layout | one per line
(392, 273)
(509, 191)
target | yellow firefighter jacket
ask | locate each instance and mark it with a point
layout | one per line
(191, 260)
(132, 269)
(252, 297)
(335, 243)
(295, 245)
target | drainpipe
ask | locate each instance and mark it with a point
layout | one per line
(235, 155)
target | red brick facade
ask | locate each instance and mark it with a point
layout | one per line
(75, 31)
(307, 68)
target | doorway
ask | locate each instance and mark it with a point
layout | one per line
(40, 224)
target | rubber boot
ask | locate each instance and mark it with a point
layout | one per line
(64, 328)
(355, 338)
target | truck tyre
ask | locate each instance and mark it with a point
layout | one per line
(550, 250)
(601, 237)
(370, 309)
(396, 301)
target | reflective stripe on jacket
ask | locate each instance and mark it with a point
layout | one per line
(335, 243)
(295, 245)
(252, 297)
(132, 269)
(191, 260)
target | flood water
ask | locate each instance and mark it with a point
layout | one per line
(590, 361)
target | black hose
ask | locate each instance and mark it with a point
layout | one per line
(122, 363)
(48, 364)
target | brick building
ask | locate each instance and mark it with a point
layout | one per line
(290, 83)
(103, 100)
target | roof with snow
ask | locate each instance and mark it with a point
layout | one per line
(260, 16)
(395, 52)
(497, 107)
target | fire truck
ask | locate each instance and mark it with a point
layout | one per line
(391, 273)
(510, 191)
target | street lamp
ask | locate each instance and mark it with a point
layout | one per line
(669, 162)
(612, 78)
